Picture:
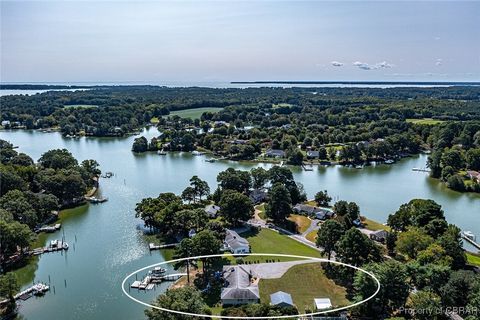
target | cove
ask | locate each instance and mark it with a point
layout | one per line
(108, 245)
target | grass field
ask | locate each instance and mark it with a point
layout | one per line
(312, 235)
(374, 226)
(193, 113)
(425, 121)
(473, 259)
(269, 241)
(302, 222)
(304, 282)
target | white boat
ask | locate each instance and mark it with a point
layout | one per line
(389, 161)
(161, 153)
(158, 271)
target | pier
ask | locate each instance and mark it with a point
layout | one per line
(55, 245)
(471, 241)
(421, 169)
(153, 246)
(148, 283)
(96, 200)
(37, 290)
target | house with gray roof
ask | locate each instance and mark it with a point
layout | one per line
(281, 299)
(312, 154)
(239, 288)
(212, 210)
(379, 235)
(275, 153)
(235, 243)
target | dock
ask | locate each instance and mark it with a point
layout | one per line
(55, 245)
(153, 246)
(471, 241)
(49, 229)
(305, 168)
(37, 290)
(149, 282)
(96, 199)
(421, 169)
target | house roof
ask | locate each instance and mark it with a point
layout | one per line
(234, 241)
(277, 152)
(307, 208)
(380, 233)
(238, 284)
(281, 297)
(322, 303)
(212, 209)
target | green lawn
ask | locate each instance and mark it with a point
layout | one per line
(374, 225)
(312, 235)
(262, 213)
(302, 222)
(193, 113)
(304, 282)
(425, 121)
(473, 259)
(269, 241)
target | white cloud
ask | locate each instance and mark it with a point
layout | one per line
(366, 66)
(337, 64)
(439, 62)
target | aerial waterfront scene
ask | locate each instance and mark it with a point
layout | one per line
(239, 160)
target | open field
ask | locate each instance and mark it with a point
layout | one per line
(426, 121)
(193, 113)
(304, 282)
(302, 222)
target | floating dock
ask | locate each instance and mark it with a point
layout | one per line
(153, 246)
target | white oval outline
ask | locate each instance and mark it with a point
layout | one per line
(243, 255)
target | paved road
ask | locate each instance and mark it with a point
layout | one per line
(273, 270)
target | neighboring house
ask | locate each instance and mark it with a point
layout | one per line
(379, 235)
(212, 210)
(192, 233)
(474, 175)
(239, 288)
(319, 213)
(235, 244)
(324, 214)
(275, 153)
(313, 154)
(322, 303)
(258, 196)
(238, 141)
(281, 299)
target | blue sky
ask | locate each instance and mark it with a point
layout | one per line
(108, 41)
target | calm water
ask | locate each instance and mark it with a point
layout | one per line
(105, 244)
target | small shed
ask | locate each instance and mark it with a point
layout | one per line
(281, 299)
(322, 303)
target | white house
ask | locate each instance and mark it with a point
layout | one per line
(235, 244)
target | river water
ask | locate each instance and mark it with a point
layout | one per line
(105, 244)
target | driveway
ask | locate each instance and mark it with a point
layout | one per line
(272, 270)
